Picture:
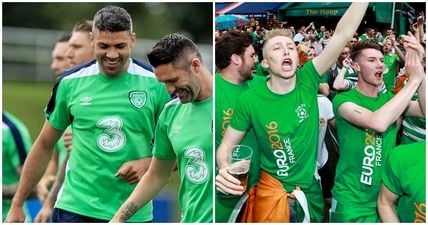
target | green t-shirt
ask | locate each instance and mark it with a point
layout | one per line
(391, 69)
(362, 152)
(405, 176)
(60, 147)
(286, 127)
(113, 122)
(15, 138)
(184, 132)
(226, 99)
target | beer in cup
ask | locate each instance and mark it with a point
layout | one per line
(240, 163)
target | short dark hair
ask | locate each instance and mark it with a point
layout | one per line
(113, 19)
(174, 48)
(361, 45)
(232, 42)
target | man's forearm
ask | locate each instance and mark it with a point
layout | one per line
(53, 193)
(351, 20)
(34, 168)
(422, 96)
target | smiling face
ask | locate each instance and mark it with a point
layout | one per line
(183, 82)
(370, 66)
(112, 50)
(280, 55)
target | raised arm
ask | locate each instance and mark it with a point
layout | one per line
(382, 118)
(414, 54)
(344, 32)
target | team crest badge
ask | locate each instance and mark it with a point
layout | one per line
(138, 98)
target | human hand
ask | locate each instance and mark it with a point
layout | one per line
(228, 184)
(67, 140)
(411, 42)
(133, 171)
(44, 214)
(44, 186)
(414, 68)
(15, 215)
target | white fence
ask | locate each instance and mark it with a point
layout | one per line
(27, 53)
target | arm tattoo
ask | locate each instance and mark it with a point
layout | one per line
(357, 111)
(129, 210)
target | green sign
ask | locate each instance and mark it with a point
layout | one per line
(316, 12)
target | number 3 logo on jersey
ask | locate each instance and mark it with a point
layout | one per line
(196, 168)
(112, 139)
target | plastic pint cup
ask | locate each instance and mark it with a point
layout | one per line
(240, 163)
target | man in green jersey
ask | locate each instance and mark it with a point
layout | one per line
(365, 121)
(183, 134)
(284, 115)
(79, 52)
(112, 104)
(403, 191)
(235, 58)
(16, 143)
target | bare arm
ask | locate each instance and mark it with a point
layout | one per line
(339, 82)
(147, 188)
(382, 118)
(414, 68)
(225, 182)
(45, 212)
(385, 204)
(344, 32)
(48, 178)
(34, 167)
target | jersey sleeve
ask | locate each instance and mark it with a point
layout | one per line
(390, 177)
(58, 113)
(241, 117)
(338, 101)
(163, 97)
(162, 148)
(309, 77)
(324, 77)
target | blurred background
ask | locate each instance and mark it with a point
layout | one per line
(30, 31)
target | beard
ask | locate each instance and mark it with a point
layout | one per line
(245, 72)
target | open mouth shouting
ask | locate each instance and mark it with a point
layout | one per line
(287, 65)
(379, 75)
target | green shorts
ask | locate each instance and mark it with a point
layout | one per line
(339, 213)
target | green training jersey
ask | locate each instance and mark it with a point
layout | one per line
(60, 147)
(185, 133)
(226, 99)
(286, 127)
(391, 71)
(405, 176)
(113, 122)
(362, 153)
(16, 143)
